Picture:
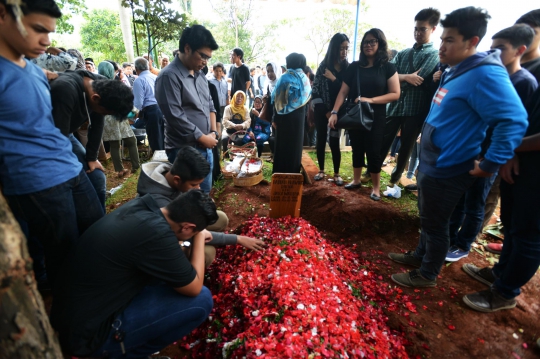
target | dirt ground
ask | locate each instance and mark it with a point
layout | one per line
(379, 228)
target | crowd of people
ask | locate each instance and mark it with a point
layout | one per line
(130, 283)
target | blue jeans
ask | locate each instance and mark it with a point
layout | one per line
(155, 318)
(206, 185)
(413, 161)
(437, 198)
(57, 217)
(520, 215)
(96, 177)
(468, 216)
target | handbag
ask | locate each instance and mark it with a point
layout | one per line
(358, 116)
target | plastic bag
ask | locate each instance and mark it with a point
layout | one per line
(394, 192)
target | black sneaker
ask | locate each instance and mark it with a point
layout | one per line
(405, 258)
(413, 279)
(411, 187)
(483, 275)
(488, 301)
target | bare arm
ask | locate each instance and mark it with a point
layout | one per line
(342, 95)
(529, 143)
(197, 261)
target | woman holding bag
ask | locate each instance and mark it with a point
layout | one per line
(379, 85)
(326, 86)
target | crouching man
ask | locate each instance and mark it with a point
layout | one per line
(165, 182)
(128, 290)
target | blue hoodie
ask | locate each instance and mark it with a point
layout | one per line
(472, 96)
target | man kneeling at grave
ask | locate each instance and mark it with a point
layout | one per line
(165, 182)
(128, 290)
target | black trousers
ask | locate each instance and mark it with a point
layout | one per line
(321, 124)
(288, 144)
(410, 129)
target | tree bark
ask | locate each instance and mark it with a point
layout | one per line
(25, 330)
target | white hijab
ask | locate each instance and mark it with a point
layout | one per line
(277, 71)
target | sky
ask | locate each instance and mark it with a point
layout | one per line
(394, 17)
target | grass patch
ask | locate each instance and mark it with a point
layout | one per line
(408, 202)
(126, 193)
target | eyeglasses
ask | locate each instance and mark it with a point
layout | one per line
(203, 56)
(371, 42)
(421, 30)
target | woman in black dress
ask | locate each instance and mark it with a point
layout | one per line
(379, 85)
(326, 86)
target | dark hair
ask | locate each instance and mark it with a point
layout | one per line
(126, 64)
(391, 54)
(332, 54)
(47, 7)
(516, 35)
(381, 57)
(239, 52)
(532, 18)
(205, 70)
(114, 64)
(193, 206)
(252, 69)
(430, 15)
(115, 96)
(469, 21)
(174, 53)
(190, 165)
(295, 61)
(197, 36)
(220, 65)
(89, 59)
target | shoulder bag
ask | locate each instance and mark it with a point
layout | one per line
(358, 116)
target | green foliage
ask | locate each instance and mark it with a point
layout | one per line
(240, 27)
(69, 8)
(157, 19)
(101, 36)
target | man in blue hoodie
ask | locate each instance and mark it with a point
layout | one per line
(475, 93)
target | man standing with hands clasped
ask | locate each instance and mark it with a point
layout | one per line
(184, 98)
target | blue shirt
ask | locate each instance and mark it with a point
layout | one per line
(143, 90)
(34, 155)
(222, 89)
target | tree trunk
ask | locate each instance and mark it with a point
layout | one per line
(25, 330)
(125, 25)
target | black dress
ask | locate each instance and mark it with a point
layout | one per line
(373, 83)
(289, 140)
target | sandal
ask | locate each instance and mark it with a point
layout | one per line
(374, 197)
(353, 185)
(338, 180)
(319, 176)
(123, 173)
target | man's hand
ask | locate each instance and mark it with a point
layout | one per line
(414, 79)
(251, 243)
(508, 169)
(478, 172)
(50, 75)
(94, 165)
(437, 76)
(208, 141)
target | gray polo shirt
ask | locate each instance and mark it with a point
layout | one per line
(185, 101)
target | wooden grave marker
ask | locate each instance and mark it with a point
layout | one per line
(286, 194)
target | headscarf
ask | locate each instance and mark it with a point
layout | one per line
(106, 69)
(238, 109)
(277, 71)
(80, 60)
(292, 91)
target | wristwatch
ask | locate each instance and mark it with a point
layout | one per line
(333, 112)
(216, 133)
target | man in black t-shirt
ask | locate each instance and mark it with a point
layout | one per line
(239, 76)
(129, 277)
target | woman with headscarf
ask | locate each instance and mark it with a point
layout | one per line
(115, 130)
(273, 73)
(236, 117)
(292, 92)
(260, 129)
